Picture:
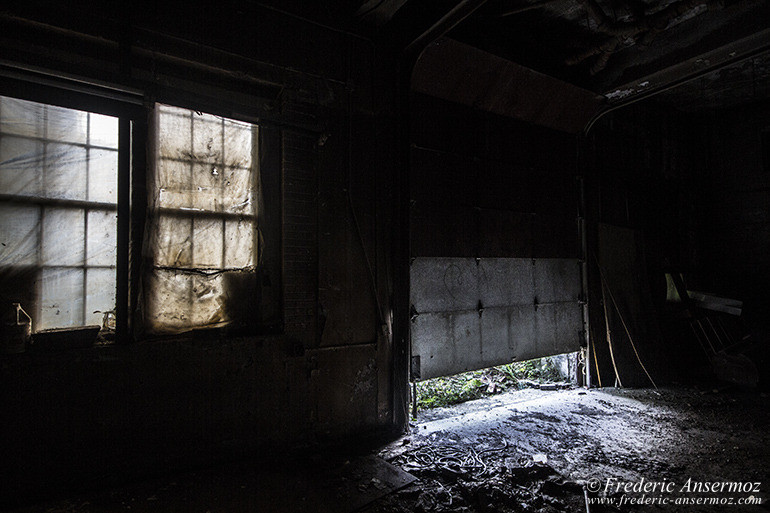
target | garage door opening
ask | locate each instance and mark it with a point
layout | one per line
(446, 395)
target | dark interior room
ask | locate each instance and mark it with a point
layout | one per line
(385, 256)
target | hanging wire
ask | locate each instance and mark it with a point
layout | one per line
(623, 322)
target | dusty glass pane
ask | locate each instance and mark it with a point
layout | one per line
(206, 190)
(170, 302)
(100, 294)
(67, 125)
(101, 240)
(21, 117)
(18, 234)
(103, 176)
(208, 300)
(61, 298)
(204, 164)
(207, 140)
(207, 243)
(65, 175)
(103, 131)
(173, 246)
(239, 243)
(173, 184)
(238, 144)
(182, 301)
(238, 191)
(63, 236)
(173, 174)
(21, 163)
(174, 135)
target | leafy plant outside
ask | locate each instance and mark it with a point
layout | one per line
(449, 390)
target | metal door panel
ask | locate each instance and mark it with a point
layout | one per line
(444, 284)
(505, 281)
(557, 279)
(472, 314)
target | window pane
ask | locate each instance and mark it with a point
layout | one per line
(238, 147)
(207, 243)
(102, 238)
(180, 301)
(65, 174)
(239, 241)
(207, 139)
(18, 234)
(63, 236)
(206, 190)
(103, 131)
(100, 294)
(61, 298)
(174, 133)
(103, 176)
(238, 194)
(21, 161)
(20, 117)
(173, 246)
(67, 125)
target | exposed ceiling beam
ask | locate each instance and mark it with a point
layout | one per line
(693, 67)
(682, 73)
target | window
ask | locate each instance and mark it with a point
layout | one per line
(58, 212)
(204, 207)
(59, 229)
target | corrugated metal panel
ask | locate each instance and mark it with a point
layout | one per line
(475, 313)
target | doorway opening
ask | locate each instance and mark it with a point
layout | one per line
(443, 396)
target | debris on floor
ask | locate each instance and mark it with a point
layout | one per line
(557, 451)
(527, 451)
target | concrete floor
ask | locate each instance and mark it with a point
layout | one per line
(544, 448)
(527, 450)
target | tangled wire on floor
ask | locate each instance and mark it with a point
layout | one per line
(450, 458)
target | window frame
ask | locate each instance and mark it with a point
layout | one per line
(130, 114)
(133, 108)
(199, 214)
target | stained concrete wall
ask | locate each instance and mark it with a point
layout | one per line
(88, 417)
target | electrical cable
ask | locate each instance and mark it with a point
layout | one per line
(623, 322)
(596, 360)
(609, 338)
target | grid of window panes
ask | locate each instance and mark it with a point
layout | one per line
(206, 212)
(58, 214)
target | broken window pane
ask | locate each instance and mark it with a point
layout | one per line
(204, 218)
(58, 223)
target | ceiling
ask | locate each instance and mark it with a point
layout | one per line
(621, 49)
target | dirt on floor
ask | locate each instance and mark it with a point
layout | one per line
(677, 449)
